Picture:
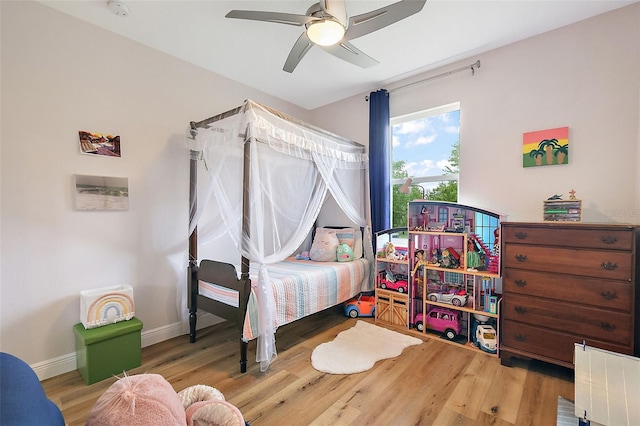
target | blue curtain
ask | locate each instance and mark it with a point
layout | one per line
(380, 160)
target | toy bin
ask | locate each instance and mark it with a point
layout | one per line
(109, 350)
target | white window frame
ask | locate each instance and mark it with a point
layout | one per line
(417, 116)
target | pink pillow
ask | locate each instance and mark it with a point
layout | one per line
(324, 245)
(140, 400)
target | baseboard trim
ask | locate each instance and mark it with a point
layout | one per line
(65, 363)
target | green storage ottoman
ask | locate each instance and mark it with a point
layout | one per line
(109, 350)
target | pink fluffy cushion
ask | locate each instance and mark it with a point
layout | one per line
(325, 243)
(140, 400)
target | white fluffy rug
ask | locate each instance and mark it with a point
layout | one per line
(358, 349)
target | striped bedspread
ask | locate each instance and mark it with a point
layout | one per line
(300, 288)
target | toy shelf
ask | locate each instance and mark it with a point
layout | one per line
(454, 266)
(392, 278)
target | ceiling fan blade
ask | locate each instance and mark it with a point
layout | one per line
(348, 52)
(299, 49)
(369, 22)
(276, 17)
(337, 9)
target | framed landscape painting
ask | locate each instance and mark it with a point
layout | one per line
(101, 193)
(545, 147)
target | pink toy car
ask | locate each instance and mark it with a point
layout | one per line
(399, 285)
(443, 320)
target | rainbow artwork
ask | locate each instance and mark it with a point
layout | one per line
(106, 306)
(545, 147)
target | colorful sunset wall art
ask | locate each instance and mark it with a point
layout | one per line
(545, 147)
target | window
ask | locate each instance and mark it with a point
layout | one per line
(426, 149)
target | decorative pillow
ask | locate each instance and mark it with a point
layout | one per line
(352, 237)
(140, 400)
(214, 413)
(197, 393)
(325, 243)
(357, 248)
(347, 236)
(206, 406)
(344, 253)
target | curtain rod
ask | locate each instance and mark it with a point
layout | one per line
(472, 67)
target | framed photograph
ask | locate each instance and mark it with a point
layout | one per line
(99, 144)
(100, 193)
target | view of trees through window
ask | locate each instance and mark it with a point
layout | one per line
(426, 148)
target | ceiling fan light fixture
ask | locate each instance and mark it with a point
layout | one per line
(325, 33)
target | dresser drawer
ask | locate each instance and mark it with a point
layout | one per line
(607, 294)
(606, 264)
(549, 343)
(618, 238)
(558, 315)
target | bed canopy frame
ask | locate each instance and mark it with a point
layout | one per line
(270, 153)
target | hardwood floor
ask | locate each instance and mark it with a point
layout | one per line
(435, 383)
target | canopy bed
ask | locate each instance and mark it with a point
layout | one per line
(259, 179)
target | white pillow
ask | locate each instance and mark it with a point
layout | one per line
(357, 247)
(325, 243)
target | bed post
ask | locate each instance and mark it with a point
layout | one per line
(192, 269)
(246, 230)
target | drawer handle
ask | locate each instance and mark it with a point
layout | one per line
(521, 235)
(520, 337)
(523, 258)
(521, 310)
(520, 283)
(609, 266)
(607, 239)
(609, 295)
(607, 326)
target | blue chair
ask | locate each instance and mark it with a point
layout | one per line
(22, 398)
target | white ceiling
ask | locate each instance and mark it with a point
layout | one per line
(253, 52)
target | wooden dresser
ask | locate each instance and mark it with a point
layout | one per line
(566, 283)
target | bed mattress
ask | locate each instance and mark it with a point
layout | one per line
(300, 288)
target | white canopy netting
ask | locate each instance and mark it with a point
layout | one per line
(290, 168)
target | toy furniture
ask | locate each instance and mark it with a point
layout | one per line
(108, 350)
(22, 398)
(453, 264)
(266, 168)
(568, 283)
(392, 271)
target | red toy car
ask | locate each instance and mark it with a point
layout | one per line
(386, 280)
(361, 306)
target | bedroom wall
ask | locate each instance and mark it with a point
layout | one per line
(60, 75)
(584, 76)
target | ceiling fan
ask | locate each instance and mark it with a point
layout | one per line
(327, 26)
